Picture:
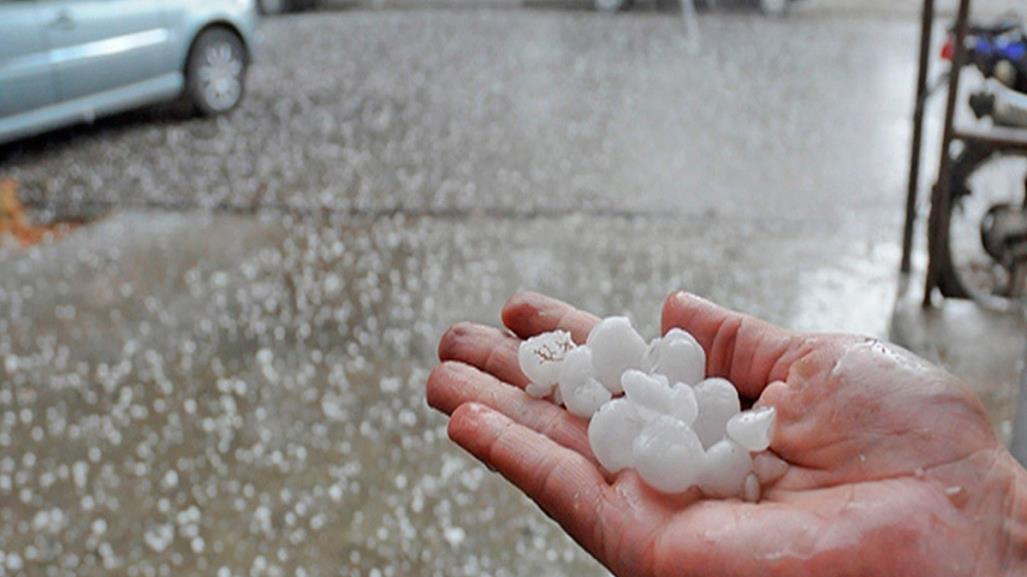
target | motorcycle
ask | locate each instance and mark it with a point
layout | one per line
(998, 50)
(986, 241)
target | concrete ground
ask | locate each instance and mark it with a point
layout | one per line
(224, 376)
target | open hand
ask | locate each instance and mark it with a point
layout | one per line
(894, 469)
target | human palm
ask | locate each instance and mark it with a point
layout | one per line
(893, 467)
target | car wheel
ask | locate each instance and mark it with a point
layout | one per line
(271, 7)
(216, 71)
(610, 5)
(774, 7)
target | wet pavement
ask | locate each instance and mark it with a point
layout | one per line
(239, 392)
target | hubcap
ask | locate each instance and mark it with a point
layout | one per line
(220, 76)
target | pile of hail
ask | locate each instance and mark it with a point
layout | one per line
(651, 408)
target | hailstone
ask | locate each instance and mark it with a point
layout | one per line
(674, 428)
(612, 432)
(727, 464)
(768, 467)
(668, 455)
(538, 390)
(752, 429)
(718, 402)
(653, 393)
(540, 358)
(616, 347)
(751, 488)
(678, 356)
(648, 391)
(579, 390)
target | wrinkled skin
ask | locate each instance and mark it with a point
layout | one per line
(894, 469)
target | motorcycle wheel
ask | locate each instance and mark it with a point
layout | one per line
(967, 270)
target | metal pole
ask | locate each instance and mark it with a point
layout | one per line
(1018, 444)
(926, 28)
(937, 224)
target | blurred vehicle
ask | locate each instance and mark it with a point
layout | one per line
(768, 7)
(985, 252)
(68, 61)
(272, 7)
(998, 50)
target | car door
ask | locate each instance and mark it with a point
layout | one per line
(26, 77)
(101, 45)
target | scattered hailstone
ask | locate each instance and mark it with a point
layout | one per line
(675, 427)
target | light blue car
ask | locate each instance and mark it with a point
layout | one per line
(68, 61)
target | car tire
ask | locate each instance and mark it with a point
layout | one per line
(610, 6)
(216, 72)
(776, 8)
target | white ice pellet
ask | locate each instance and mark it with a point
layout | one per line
(718, 402)
(751, 488)
(612, 432)
(616, 347)
(579, 390)
(768, 467)
(653, 393)
(540, 358)
(649, 391)
(678, 356)
(577, 366)
(683, 403)
(752, 429)
(586, 399)
(538, 390)
(674, 428)
(668, 455)
(727, 464)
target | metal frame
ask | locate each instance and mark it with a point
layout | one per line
(1002, 138)
(926, 30)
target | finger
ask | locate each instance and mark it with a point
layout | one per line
(528, 314)
(452, 384)
(564, 484)
(486, 348)
(747, 351)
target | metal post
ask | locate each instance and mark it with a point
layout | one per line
(1018, 444)
(937, 224)
(926, 29)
